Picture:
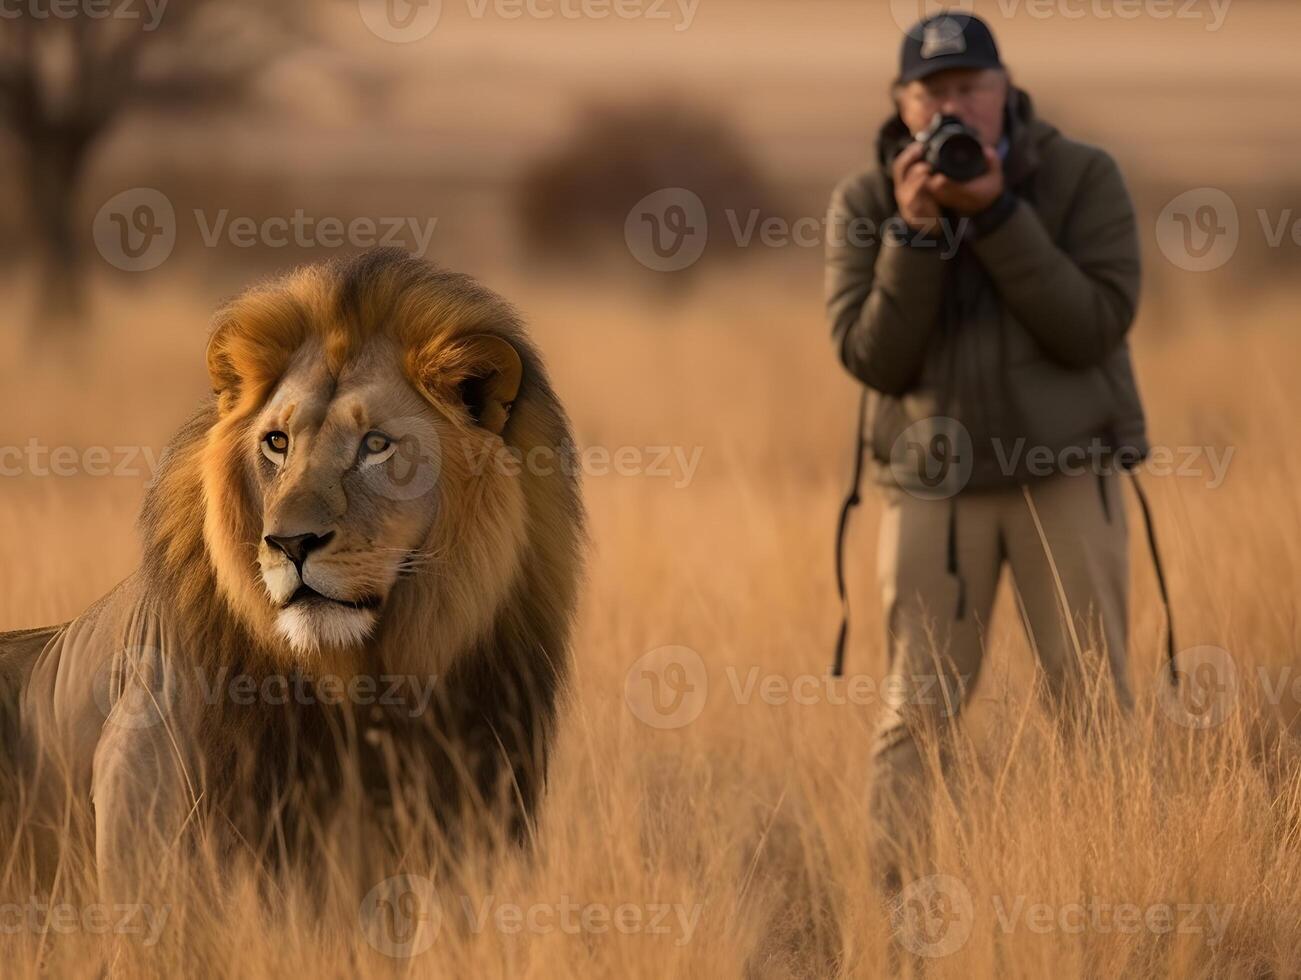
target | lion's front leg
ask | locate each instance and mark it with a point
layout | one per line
(145, 784)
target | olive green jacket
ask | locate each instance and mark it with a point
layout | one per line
(1007, 340)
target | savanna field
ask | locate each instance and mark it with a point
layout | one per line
(715, 824)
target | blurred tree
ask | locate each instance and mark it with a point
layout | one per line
(70, 72)
(684, 163)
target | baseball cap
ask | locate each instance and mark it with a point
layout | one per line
(944, 41)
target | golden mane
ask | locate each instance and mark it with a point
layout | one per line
(498, 687)
(429, 314)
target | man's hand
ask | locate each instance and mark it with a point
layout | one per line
(971, 197)
(917, 206)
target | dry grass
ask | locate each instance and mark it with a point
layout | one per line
(752, 816)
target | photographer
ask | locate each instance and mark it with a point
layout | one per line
(980, 364)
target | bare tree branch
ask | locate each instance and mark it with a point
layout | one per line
(65, 81)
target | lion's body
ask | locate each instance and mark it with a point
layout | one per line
(155, 701)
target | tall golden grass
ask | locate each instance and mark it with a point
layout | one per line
(747, 821)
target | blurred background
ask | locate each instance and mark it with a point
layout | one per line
(522, 127)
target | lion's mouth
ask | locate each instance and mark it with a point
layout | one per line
(305, 593)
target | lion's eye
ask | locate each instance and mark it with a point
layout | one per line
(274, 446)
(376, 447)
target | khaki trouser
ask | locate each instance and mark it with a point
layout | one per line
(940, 562)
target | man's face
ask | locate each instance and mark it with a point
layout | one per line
(975, 95)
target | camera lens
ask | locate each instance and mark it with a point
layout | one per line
(957, 154)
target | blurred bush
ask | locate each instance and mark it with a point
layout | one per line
(573, 202)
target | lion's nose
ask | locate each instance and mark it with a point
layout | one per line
(296, 547)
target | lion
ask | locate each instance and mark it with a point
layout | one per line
(344, 586)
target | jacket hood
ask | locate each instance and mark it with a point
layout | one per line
(1027, 134)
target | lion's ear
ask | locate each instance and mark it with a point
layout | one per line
(485, 372)
(221, 368)
(489, 388)
(251, 346)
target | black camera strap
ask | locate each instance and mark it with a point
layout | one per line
(1160, 577)
(852, 500)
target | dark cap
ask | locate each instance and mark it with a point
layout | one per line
(948, 40)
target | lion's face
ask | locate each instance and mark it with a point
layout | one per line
(352, 477)
(345, 472)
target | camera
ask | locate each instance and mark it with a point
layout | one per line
(952, 148)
